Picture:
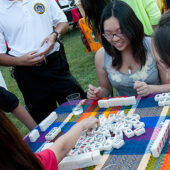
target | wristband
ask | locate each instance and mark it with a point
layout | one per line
(57, 34)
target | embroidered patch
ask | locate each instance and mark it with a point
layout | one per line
(39, 8)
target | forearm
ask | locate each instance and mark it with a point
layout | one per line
(66, 142)
(62, 27)
(160, 88)
(105, 92)
(20, 113)
(6, 60)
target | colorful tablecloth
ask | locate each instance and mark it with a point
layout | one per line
(135, 154)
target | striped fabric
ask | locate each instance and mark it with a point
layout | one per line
(135, 154)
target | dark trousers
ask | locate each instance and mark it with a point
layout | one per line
(44, 85)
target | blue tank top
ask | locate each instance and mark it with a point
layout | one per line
(123, 83)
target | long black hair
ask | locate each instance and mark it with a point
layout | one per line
(161, 38)
(93, 10)
(130, 26)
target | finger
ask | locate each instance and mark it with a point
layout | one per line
(138, 84)
(97, 90)
(143, 92)
(48, 50)
(38, 59)
(90, 86)
(33, 52)
(91, 96)
(141, 88)
(45, 40)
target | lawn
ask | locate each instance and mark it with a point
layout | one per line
(81, 65)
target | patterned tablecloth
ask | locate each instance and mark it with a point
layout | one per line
(135, 154)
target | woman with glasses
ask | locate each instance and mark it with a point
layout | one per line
(161, 42)
(126, 61)
(147, 12)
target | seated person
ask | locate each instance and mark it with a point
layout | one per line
(16, 155)
(10, 103)
(161, 41)
(126, 61)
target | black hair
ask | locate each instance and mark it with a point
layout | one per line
(130, 26)
(93, 10)
(161, 38)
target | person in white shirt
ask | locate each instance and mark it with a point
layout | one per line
(31, 29)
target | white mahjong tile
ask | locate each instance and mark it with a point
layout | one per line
(107, 145)
(129, 133)
(104, 131)
(78, 144)
(119, 134)
(128, 119)
(98, 146)
(89, 139)
(82, 146)
(139, 131)
(99, 136)
(111, 102)
(101, 140)
(88, 149)
(126, 126)
(118, 143)
(139, 125)
(101, 103)
(134, 121)
(157, 97)
(112, 117)
(135, 116)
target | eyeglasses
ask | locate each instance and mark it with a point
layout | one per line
(110, 36)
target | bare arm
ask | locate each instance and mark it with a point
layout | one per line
(62, 28)
(144, 89)
(22, 114)
(66, 142)
(103, 80)
(105, 87)
(26, 60)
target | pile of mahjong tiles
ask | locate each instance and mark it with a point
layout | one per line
(163, 99)
(107, 136)
(110, 133)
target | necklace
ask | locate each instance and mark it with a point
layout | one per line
(129, 70)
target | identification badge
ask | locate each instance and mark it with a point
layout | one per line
(39, 8)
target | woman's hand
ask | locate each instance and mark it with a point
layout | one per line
(93, 92)
(142, 88)
(89, 122)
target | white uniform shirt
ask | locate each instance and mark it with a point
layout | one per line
(24, 25)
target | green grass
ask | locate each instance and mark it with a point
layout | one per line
(81, 65)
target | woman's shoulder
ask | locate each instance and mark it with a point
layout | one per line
(99, 54)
